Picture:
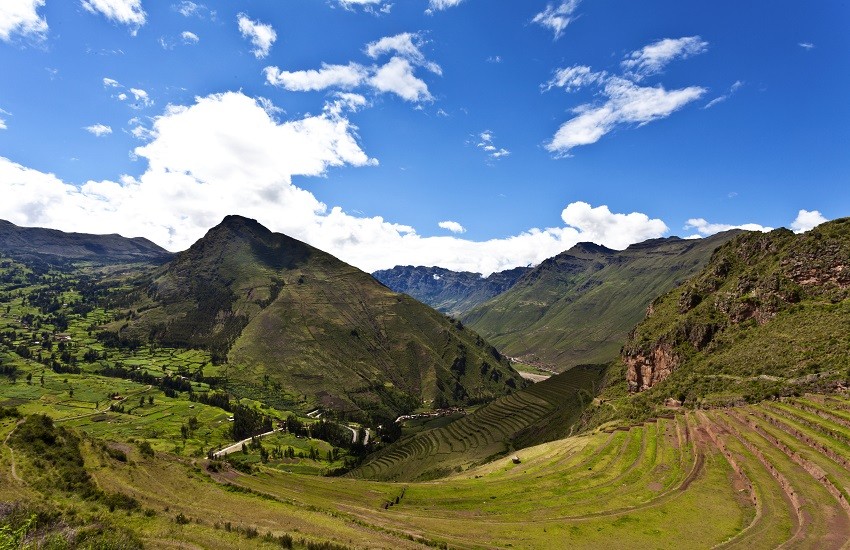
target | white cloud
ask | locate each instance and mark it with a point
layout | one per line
(142, 97)
(485, 143)
(720, 99)
(407, 45)
(494, 59)
(557, 18)
(454, 227)
(806, 45)
(627, 103)
(375, 7)
(705, 228)
(345, 102)
(652, 58)
(98, 130)
(261, 35)
(2, 120)
(187, 8)
(397, 77)
(573, 78)
(126, 12)
(807, 220)
(189, 37)
(111, 83)
(439, 5)
(21, 17)
(329, 76)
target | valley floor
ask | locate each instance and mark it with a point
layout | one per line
(759, 476)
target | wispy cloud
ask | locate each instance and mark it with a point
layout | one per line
(720, 99)
(557, 17)
(484, 141)
(439, 5)
(261, 35)
(189, 37)
(374, 7)
(2, 120)
(806, 45)
(627, 103)
(126, 12)
(98, 130)
(652, 58)
(573, 78)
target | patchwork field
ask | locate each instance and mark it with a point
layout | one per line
(766, 475)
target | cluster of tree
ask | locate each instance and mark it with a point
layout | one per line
(248, 422)
(214, 399)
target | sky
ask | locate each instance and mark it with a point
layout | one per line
(476, 135)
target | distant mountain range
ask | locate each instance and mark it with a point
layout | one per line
(50, 244)
(297, 324)
(452, 292)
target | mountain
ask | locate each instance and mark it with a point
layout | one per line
(579, 306)
(52, 245)
(299, 327)
(452, 292)
(768, 312)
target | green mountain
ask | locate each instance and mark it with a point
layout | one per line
(770, 313)
(298, 327)
(452, 292)
(579, 306)
(52, 245)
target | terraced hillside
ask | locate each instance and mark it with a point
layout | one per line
(759, 476)
(578, 307)
(543, 412)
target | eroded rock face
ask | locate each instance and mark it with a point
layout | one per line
(644, 370)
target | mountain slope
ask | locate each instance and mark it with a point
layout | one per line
(51, 244)
(300, 326)
(452, 292)
(579, 306)
(768, 311)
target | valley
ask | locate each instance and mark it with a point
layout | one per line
(749, 425)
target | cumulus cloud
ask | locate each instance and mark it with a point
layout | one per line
(807, 220)
(627, 103)
(557, 17)
(225, 154)
(126, 12)
(98, 130)
(329, 76)
(397, 77)
(652, 58)
(454, 227)
(705, 228)
(20, 17)
(261, 35)
(189, 37)
(407, 45)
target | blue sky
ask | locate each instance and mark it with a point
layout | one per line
(470, 134)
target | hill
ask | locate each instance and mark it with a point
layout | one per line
(452, 292)
(543, 412)
(299, 327)
(768, 314)
(53, 245)
(579, 306)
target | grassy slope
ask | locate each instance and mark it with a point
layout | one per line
(325, 332)
(768, 315)
(579, 306)
(757, 472)
(545, 411)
